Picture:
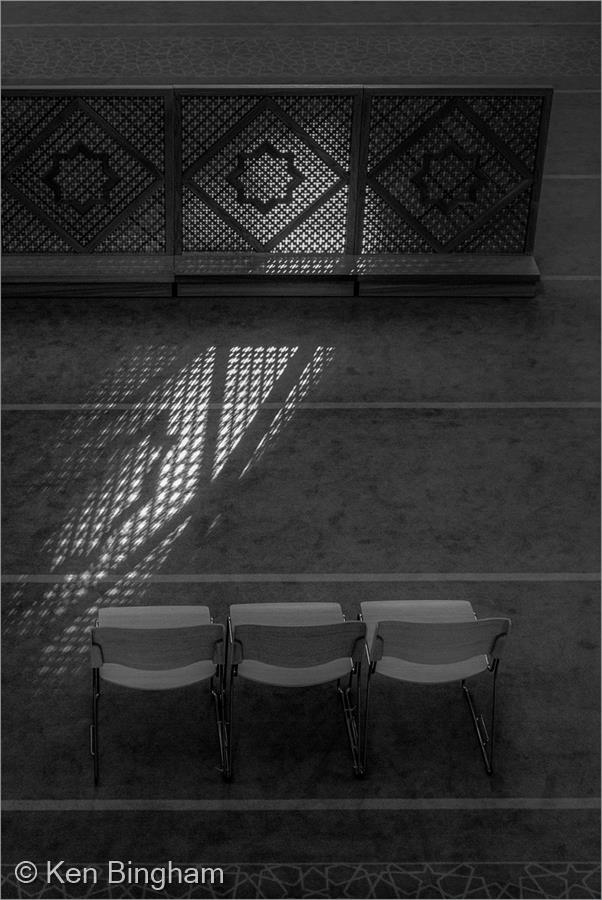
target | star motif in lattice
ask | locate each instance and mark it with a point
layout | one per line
(265, 177)
(81, 177)
(455, 168)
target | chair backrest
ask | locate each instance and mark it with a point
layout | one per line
(438, 643)
(156, 649)
(286, 613)
(298, 645)
(153, 616)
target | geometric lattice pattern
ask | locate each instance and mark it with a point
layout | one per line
(450, 173)
(369, 880)
(273, 172)
(266, 172)
(84, 174)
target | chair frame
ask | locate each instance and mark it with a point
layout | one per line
(217, 683)
(485, 736)
(348, 687)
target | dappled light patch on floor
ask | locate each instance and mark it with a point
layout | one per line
(310, 376)
(252, 373)
(148, 466)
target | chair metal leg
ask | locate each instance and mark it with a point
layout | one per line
(352, 713)
(364, 750)
(485, 737)
(94, 725)
(223, 726)
(228, 692)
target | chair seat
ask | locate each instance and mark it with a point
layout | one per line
(439, 611)
(410, 671)
(280, 676)
(155, 617)
(297, 614)
(164, 679)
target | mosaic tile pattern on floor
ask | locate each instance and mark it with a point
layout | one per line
(394, 880)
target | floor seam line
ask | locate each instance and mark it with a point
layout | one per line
(307, 804)
(312, 23)
(317, 405)
(278, 577)
(571, 177)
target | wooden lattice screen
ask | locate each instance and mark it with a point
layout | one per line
(457, 173)
(336, 171)
(87, 173)
(268, 172)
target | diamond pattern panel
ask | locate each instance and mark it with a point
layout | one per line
(206, 119)
(85, 167)
(318, 232)
(385, 232)
(22, 120)
(394, 119)
(140, 120)
(203, 228)
(268, 171)
(503, 232)
(443, 173)
(139, 232)
(514, 118)
(327, 123)
(21, 229)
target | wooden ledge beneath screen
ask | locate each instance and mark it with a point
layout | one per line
(92, 275)
(253, 274)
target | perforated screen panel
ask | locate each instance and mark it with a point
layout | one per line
(266, 172)
(84, 174)
(279, 171)
(450, 173)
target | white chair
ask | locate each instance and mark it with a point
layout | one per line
(430, 642)
(158, 648)
(297, 645)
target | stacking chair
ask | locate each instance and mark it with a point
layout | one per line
(158, 648)
(297, 645)
(430, 642)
